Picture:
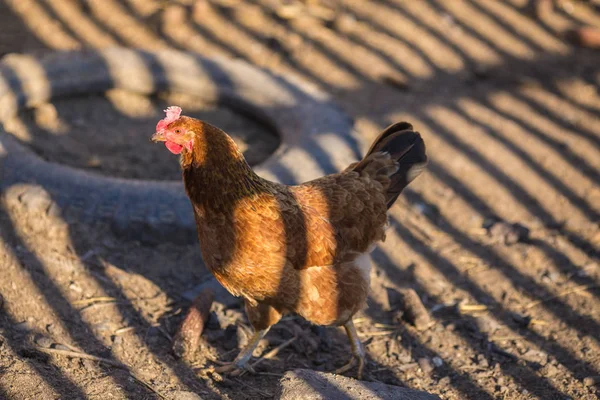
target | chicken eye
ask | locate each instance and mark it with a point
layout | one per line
(178, 131)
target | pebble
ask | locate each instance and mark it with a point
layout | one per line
(539, 357)
(44, 341)
(437, 361)
(520, 319)
(591, 381)
(89, 365)
(35, 198)
(345, 22)
(395, 81)
(551, 371)
(482, 361)
(445, 381)
(25, 325)
(425, 365)
(59, 346)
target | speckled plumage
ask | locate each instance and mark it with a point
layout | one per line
(297, 249)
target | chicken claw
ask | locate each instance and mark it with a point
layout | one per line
(358, 353)
(233, 369)
(240, 364)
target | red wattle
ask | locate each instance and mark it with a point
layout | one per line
(173, 147)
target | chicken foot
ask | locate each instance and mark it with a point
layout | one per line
(358, 353)
(235, 367)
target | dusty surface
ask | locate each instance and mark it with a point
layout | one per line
(110, 134)
(307, 384)
(510, 113)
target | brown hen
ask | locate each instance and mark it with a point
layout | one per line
(291, 249)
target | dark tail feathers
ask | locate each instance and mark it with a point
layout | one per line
(407, 148)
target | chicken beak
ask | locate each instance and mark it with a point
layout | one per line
(158, 137)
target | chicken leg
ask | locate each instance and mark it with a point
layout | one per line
(244, 356)
(358, 353)
(262, 317)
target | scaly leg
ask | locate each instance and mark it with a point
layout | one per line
(244, 356)
(358, 353)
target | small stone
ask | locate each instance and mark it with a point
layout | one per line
(89, 365)
(520, 319)
(591, 381)
(35, 198)
(75, 287)
(482, 361)
(277, 46)
(118, 341)
(437, 361)
(59, 346)
(44, 341)
(23, 326)
(539, 357)
(396, 81)
(445, 381)
(425, 365)
(345, 22)
(551, 370)
(481, 72)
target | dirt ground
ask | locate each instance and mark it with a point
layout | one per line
(98, 133)
(510, 114)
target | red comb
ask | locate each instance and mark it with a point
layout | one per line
(173, 114)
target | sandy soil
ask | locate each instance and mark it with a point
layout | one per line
(510, 113)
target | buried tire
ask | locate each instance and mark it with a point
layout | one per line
(316, 137)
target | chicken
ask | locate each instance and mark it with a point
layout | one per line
(291, 249)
